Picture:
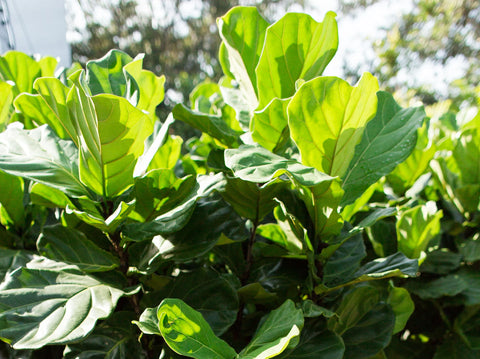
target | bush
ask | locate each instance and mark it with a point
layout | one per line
(293, 227)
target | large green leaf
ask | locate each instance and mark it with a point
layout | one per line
(455, 348)
(72, 246)
(213, 125)
(269, 126)
(195, 289)
(52, 305)
(11, 199)
(49, 106)
(416, 227)
(296, 47)
(389, 138)
(112, 339)
(327, 118)
(279, 331)
(21, 69)
(243, 33)
(41, 156)
(106, 75)
(187, 333)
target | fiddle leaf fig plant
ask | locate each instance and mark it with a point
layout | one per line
(311, 218)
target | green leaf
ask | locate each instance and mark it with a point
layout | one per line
(371, 334)
(195, 289)
(255, 293)
(175, 219)
(49, 106)
(344, 262)
(93, 217)
(454, 348)
(312, 310)
(45, 305)
(112, 339)
(416, 227)
(121, 130)
(106, 75)
(152, 145)
(471, 250)
(275, 233)
(402, 304)
(296, 47)
(279, 331)
(388, 140)
(159, 191)
(256, 164)
(449, 285)
(150, 87)
(41, 156)
(327, 118)
(48, 196)
(187, 333)
(209, 222)
(212, 125)
(71, 246)
(396, 265)
(21, 69)
(354, 306)
(148, 322)
(6, 99)
(11, 199)
(316, 342)
(441, 262)
(242, 30)
(269, 126)
(48, 65)
(11, 260)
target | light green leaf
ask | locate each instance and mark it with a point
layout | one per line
(213, 125)
(21, 69)
(11, 199)
(327, 118)
(467, 156)
(106, 76)
(296, 47)
(402, 304)
(279, 331)
(148, 322)
(114, 338)
(149, 86)
(6, 99)
(43, 306)
(49, 106)
(48, 196)
(275, 233)
(48, 65)
(187, 333)
(269, 126)
(41, 156)
(242, 30)
(416, 227)
(388, 140)
(71, 246)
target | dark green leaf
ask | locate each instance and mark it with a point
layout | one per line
(71, 246)
(388, 140)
